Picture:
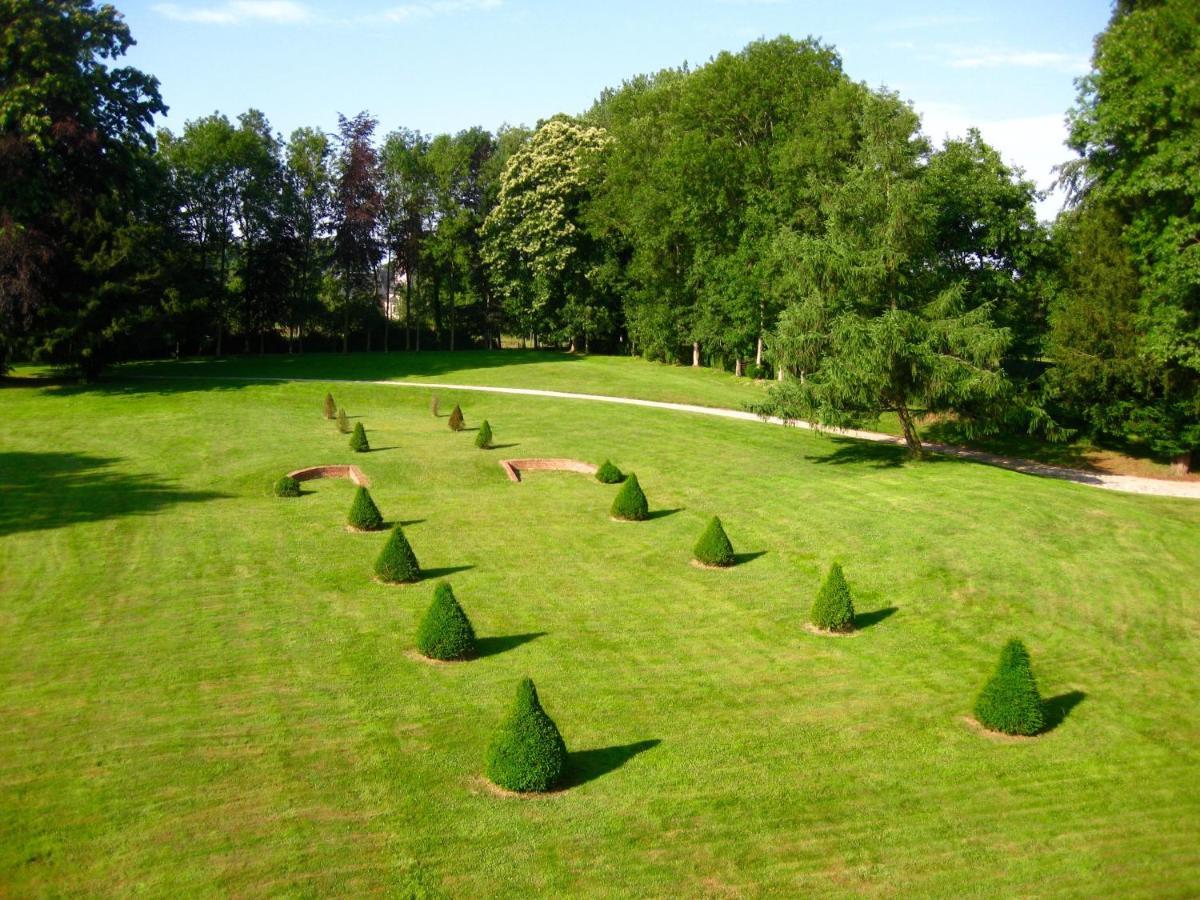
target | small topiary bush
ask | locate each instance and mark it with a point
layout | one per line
(343, 423)
(833, 609)
(358, 440)
(445, 633)
(330, 406)
(433, 406)
(397, 564)
(364, 514)
(456, 419)
(528, 753)
(630, 503)
(287, 486)
(608, 473)
(1010, 702)
(483, 438)
(713, 548)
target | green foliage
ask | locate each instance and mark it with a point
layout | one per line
(833, 610)
(445, 632)
(630, 503)
(456, 421)
(1010, 702)
(483, 438)
(364, 514)
(397, 563)
(358, 440)
(527, 753)
(287, 486)
(343, 422)
(330, 407)
(608, 473)
(713, 548)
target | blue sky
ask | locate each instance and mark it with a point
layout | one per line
(443, 65)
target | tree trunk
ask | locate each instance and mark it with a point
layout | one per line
(387, 300)
(779, 374)
(1182, 463)
(695, 354)
(758, 353)
(739, 368)
(911, 438)
(408, 292)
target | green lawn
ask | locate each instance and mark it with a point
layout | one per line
(202, 691)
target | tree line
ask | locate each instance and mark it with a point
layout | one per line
(763, 213)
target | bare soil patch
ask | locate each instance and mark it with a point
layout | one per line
(998, 736)
(824, 632)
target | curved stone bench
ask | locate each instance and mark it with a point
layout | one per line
(514, 467)
(354, 473)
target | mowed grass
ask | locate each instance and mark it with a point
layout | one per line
(202, 690)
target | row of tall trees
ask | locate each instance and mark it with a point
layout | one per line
(763, 212)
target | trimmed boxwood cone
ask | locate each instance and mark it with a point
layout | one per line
(330, 406)
(364, 514)
(433, 405)
(445, 633)
(1010, 702)
(287, 486)
(397, 563)
(358, 440)
(833, 609)
(483, 438)
(608, 473)
(343, 423)
(456, 419)
(630, 503)
(713, 548)
(528, 753)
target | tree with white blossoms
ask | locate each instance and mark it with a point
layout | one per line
(539, 251)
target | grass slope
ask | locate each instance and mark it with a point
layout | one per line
(203, 691)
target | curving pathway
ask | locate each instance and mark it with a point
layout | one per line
(1130, 484)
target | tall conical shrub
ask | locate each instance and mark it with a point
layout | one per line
(445, 632)
(713, 548)
(483, 438)
(287, 486)
(397, 563)
(456, 419)
(608, 473)
(433, 406)
(343, 422)
(330, 406)
(833, 609)
(630, 503)
(527, 753)
(358, 440)
(364, 514)
(1010, 702)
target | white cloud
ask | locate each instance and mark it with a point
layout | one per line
(427, 9)
(975, 58)
(237, 11)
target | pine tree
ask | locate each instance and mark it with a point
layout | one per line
(456, 419)
(330, 406)
(630, 503)
(364, 514)
(343, 423)
(527, 753)
(713, 548)
(287, 487)
(1010, 702)
(833, 610)
(397, 563)
(483, 439)
(358, 440)
(445, 633)
(608, 473)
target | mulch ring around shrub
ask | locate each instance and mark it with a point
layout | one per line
(418, 656)
(699, 565)
(998, 736)
(825, 632)
(480, 785)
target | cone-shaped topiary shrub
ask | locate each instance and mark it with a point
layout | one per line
(483, 438)
(630, 503)
(833, 609)
(397, 563)
(456, 419)
(528, 753)
(445, 632)
(364, 514)
(358, 440)
(1010, 702)
(713, 548)
(433, 406)
(330, 406)
(608, 473)
(287, 486)
(343, 423)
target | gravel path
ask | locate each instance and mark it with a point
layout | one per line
(1130, 484)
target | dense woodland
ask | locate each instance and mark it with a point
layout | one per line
(763, 212)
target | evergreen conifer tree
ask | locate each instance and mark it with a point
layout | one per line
(330, 406)
(527, 753)
(287, 487)
(343, 423)
(608, 473)
(630, 503)
(833, 610)
(483, 438)
(433, 406)
(456, 419)
(1010, 702)
(713, 548)
(358, 440)
(445, 633)
(397, 563)
(364, 514)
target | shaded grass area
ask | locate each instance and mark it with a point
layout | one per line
(209, 694)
